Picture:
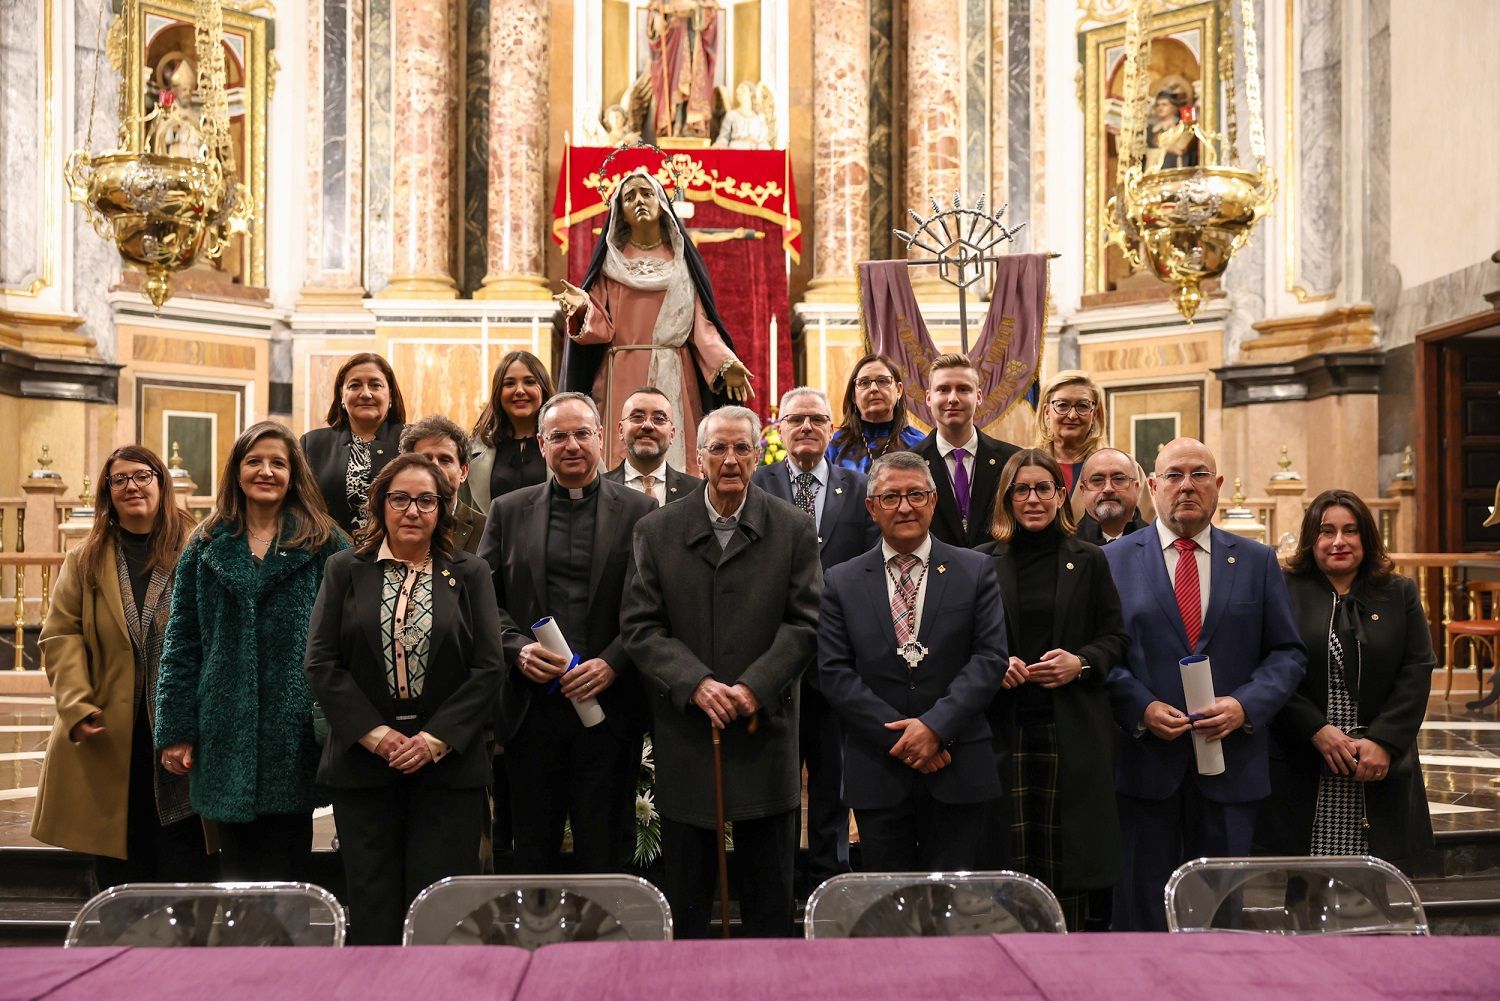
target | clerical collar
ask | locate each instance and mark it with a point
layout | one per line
(574, 493)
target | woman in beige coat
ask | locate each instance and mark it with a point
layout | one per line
(102, 791)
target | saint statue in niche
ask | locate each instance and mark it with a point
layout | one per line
(645, 316)
(1169, 128)
(750, 123)
(683, 38)
(173, 125)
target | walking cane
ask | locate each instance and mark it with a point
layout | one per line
(719, 819)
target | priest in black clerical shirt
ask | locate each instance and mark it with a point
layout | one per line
(1110, 484)
(563, 549)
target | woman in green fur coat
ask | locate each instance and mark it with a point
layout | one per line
(233, 710)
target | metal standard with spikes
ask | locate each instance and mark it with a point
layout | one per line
(963, 243)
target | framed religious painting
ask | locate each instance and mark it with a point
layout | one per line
(160, 51)
(191, 425)
(1182, 80)
(1144, 418)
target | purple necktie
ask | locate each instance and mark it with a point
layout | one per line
(961, 483)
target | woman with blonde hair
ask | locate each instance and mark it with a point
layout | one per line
(1070, 422)
(101, 790)
(233, 709)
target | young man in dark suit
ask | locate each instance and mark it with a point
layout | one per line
(446, 444)
(835, 499)
(911, 651)
(1187, 588)
(646, 431)
(965, 461)
(563, 549)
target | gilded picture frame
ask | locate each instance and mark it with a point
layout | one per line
(1190, 33)
(164, 31)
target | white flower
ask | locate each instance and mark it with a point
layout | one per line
(645, 808)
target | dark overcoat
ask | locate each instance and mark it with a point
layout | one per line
(1394, 665)
(1086, 622)
(746, 614)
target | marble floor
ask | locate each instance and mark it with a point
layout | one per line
(1460, 760)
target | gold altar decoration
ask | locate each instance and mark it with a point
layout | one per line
(1187, 222)
(169, 192)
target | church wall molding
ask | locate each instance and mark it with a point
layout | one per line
(1333, 373)
(39, 377)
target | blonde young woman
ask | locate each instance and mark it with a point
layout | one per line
(1071, 425)
(102, 791)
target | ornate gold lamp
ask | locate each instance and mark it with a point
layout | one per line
(1187, 222)
(171, 196)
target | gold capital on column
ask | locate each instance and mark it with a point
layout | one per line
(424, 99)
(519, 106)
(841, 151)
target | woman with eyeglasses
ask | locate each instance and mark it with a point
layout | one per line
(874, 421)
(505, 455)
(404, 657)
(1070, 422)
(233, 710)
(101, 790)
(365, 419)
(1052, 726)
(1345, 779)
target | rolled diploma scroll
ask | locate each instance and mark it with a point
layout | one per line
(1198, 688)
(551, 637)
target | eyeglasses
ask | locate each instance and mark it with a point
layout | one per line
(1173, 477)
(816, 420)
(1116, 480)
(1080, 407)
(640, 419)
(140, 478)
(879, 381)
(916, 498)
(399, 501)
(719, 449)
(559, 439)
(1044, 490)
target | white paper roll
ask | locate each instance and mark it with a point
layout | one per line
(1198, 688)
(551, 637)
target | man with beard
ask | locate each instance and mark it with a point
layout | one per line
(965, 462)
(1111, 489)
(835, 499)
(646, 432)
(1189, 589)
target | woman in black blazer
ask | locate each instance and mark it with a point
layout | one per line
(1052, 726)
(1345, 779)
(404, 657)
(365, 421)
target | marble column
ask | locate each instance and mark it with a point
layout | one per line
(335, 154)
(841, 157)
(425, 93)
(519, 102)
(935, 94)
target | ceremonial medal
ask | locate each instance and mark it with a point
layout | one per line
(912, 651)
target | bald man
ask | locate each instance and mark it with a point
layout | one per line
(1188, 588)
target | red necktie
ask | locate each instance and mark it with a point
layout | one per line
(1189, 600)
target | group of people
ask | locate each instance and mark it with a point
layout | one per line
(459, 639)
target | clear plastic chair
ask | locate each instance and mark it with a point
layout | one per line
(931, 905)
(533, 911)
(1294, 895)
(210, 914)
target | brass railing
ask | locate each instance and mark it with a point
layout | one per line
(21, 562)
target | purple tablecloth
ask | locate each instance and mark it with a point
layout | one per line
(29, 974)
(371, 974)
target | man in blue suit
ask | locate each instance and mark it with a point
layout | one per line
(911, 651)
(1189, 588)
(835, 498)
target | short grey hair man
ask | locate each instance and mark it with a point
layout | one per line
(800, 391)
(559, 398)
(743, 414)
(909, 461)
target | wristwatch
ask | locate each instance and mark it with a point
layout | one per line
(1083, 671)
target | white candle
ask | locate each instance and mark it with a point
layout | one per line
(774, 398)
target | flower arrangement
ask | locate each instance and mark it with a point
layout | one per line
(647, 820)
(772, 450)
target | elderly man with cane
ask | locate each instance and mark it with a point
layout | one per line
(721, 623)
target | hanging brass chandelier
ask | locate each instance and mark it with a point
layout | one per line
(1187, 222)
(168, 194)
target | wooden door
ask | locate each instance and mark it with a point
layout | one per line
(1458, 420)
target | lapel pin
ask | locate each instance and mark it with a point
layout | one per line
(1070, 566)
(671, 490)
(380, 451)
(445, 573)
(1231, 559)
(942, 568)
(1374, 616)
(452, 582)
(838, 490)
